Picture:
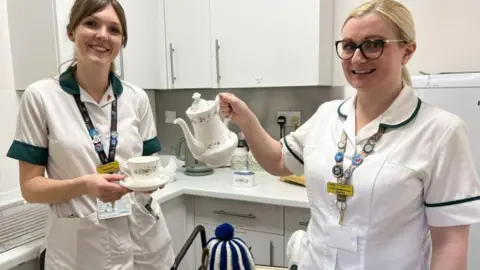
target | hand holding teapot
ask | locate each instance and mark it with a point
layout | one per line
(234, 108)
(211, 141)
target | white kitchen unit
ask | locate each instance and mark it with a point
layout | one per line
(266, 228)
(259, 225)
(188, 43)
(179, 218)
(33, 33)
(144, 59)
(271, 43)
(235, 44)
(458, 93)
(38, 49)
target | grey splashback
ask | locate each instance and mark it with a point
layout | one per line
(264, 102)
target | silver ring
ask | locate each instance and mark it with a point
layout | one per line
(341, 205)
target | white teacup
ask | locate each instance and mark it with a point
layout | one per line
(142, 169)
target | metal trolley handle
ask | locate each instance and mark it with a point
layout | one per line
(203, 237)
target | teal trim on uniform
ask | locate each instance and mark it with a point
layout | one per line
(28, 153)
(70, 85)
(344, 116)
(291, 152)
(452, 202)
(151, 146)
(414, 114)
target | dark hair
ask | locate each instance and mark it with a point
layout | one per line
(84, 8)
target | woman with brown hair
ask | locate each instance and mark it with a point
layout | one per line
(72, 132)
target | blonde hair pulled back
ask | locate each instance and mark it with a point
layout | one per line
(397, 15)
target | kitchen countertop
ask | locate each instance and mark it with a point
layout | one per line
(268, 190)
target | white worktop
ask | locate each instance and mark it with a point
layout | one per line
(269, 190)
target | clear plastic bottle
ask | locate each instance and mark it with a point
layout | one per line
(239, 159)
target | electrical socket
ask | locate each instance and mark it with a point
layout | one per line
(170, 116)
(292, 118)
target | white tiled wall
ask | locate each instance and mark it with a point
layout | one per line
(8, 113)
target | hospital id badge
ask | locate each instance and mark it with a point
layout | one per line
(108, 168)
(340, 189)
(342, 237)
(119, 208)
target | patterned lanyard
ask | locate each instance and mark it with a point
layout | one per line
(94, 134)
(342, 188)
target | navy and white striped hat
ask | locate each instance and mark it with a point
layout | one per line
(228, 252)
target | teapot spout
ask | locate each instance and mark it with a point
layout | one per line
(197, 148)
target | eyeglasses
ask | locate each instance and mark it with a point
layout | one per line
(370, 49)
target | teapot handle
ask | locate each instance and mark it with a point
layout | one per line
(217, 101)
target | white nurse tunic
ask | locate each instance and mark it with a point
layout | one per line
(420, 173)
(51, 133)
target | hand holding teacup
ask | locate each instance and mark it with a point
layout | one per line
(142, 172)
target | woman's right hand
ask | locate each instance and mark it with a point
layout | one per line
(233, 107)
(100, 186)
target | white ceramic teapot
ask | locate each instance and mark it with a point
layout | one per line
(212, 143)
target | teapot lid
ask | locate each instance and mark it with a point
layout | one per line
(199, 104)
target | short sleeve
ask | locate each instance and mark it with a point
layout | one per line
(31, 136)
(293, 144)
(148, 131)
(452, 192)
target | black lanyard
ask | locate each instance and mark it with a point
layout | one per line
(97, 142)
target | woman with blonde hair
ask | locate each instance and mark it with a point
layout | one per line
(390, 179)
(72, 133)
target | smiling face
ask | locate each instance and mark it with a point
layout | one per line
(98, 37)
(378, 72)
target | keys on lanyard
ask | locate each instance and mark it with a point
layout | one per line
(342, 188)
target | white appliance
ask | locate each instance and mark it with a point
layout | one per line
(458, 93)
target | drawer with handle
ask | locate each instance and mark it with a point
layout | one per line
(247, 215)
(296, 219)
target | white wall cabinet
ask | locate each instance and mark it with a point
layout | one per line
(236, 44)
(188, 43)
(33, 33)
(272, 43)
(172, 44)
(144, 60)
(38, 49)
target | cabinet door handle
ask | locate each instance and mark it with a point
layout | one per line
(221, 212)
(172, 71)
(271, 252)
(217, 60)
(303, 223)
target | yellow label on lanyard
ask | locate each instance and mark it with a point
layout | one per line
(108, 168)
(340, 189)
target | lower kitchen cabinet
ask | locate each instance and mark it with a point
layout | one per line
(175, 215)
(265, 228)
(267, 249)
